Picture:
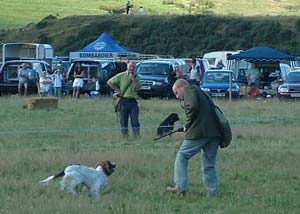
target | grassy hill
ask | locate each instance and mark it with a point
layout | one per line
(181, 36)
(16, 14)
(179, 28)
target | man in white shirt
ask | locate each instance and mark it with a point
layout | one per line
(142, 11)
(195, 73)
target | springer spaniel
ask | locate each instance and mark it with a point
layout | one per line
(76, 175)
(167, 125)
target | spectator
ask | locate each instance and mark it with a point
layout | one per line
(127, 7)
(61, 67)
(178, 72)
(23, 75)
(253, 75)
(78, 81)
(58, 83)
(130, 11)
(46, 84)
(195, 73)
(220, 64)
(201, 135)
(129, 83)
(142, 11)
(253, 91)
(175, 74)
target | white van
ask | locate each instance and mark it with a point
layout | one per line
(216, 57)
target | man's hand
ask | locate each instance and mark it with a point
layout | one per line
(182, 129)
(132, 77)
(116, 95)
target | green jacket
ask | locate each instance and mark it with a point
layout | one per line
(200, 122)
(122, 80)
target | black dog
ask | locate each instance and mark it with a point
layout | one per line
(167, 125)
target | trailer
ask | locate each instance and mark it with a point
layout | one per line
(27, 51)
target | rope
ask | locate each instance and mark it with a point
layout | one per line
(57, 131)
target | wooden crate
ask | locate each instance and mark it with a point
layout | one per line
(42, 103)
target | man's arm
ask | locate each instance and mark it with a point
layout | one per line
(22, 74)
(113, 87)
(191, 106)
(135, 81)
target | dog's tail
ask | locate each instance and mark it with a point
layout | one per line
(52, 177)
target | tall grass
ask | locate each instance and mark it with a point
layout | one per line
(258, 173)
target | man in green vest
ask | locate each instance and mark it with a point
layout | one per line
(126, 85)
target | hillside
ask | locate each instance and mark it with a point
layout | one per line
(182, 36)
(18, 13)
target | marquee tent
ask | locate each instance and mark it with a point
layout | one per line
(102, 48)
(262, 53)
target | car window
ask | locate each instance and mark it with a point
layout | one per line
(11, 71)
(48, 69)
(217, 77)
(154, 68)
(91, 70)
(293, 77)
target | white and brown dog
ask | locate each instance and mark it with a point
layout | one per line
(75, 176)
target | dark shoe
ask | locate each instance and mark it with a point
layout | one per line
(175, 190)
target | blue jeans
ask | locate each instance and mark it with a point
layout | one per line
(188, 149)
(129, 107)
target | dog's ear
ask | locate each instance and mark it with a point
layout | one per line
(104, 164)
(108, 167)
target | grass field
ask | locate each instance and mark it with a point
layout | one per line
(258, 173)
(16, 14)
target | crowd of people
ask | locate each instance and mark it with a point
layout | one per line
(48, 85)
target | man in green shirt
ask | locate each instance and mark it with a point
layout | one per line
(126, 85)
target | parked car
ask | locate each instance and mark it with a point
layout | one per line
(219, 83)
(291, 86)
(156, 77)
(9, 75)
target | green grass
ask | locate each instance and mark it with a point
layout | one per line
(258, 173)
(16, 14)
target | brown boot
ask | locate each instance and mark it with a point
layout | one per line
(176, 190)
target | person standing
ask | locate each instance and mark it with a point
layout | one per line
(142, 11)
(253, 75)
(195, 73)
(130, 10)
(127, 6)
(78, 81)
(57, 83)
(129, 83)
(201, 135)
(23, 75)
(179, 74)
